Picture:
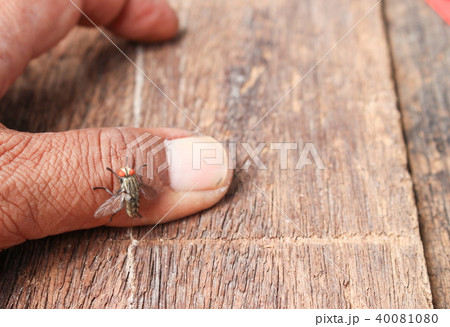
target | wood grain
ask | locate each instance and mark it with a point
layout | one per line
(420, 44)
(343, 237)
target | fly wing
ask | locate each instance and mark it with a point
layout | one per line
(148, 192)
(112, 205)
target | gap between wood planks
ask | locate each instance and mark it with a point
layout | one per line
(397, 104)
(342, 239)
(405, 141)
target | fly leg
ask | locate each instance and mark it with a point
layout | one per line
(106, 189)
(107, 168)
(139, 170)
(139, 173)
(103, 188)
(121, 207)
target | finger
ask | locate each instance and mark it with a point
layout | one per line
(47, 179)
(145, 20)
(32, 27)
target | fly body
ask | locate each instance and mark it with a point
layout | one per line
(131, 186)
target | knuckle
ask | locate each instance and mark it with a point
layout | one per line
(12, 213)
(15, 202)
(27, 161)
(7, 222)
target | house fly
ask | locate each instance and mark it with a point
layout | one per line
(128, 194)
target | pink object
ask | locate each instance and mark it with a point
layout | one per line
(442, 7)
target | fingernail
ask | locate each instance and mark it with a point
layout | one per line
(197, 163)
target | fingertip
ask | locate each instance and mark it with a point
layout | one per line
(146, 21)
(196, 177)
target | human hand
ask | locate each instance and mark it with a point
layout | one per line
(46, 179)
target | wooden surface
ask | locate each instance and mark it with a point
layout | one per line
(344, 237)
(422, 66)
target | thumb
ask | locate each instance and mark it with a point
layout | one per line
(47, 180)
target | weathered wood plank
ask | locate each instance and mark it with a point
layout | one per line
(218, 273)
(357, 241)
(420, 43)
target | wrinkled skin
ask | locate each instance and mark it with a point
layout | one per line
(46, 179)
